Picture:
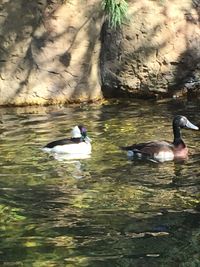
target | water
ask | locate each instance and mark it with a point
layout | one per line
(105, 210)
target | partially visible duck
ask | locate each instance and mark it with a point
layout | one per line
(79, 143)
(161, 151)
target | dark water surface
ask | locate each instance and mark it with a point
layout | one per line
(102, 211)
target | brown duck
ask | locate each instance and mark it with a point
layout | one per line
(161, 151)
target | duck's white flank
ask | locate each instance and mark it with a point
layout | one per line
(67, 156)
(164, 156)
(160, 156)
(80, 148)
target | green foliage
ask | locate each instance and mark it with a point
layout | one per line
(116, 11)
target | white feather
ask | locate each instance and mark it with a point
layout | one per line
(164, 156)
(80, 148)
(76, 133)
(70, 157)
(130, 153)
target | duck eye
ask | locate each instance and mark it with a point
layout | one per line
(183, 123)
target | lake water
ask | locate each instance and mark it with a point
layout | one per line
(105, 210)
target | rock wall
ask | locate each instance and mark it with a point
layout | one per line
(49, 51)
(56, 51)
(156, 53)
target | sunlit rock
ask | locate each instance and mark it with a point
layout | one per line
(156, 53)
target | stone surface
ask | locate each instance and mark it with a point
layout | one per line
(49, 51)
(56, 51)
(156, 53)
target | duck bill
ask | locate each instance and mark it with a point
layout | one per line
(87, 139)
(191, 126)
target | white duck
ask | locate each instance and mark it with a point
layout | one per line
(79, 143)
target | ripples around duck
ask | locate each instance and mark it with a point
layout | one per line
(104, 210)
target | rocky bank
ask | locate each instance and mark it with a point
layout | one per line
(56, 51)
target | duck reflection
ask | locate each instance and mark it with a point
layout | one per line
(72, 163)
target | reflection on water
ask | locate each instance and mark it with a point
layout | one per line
(104, 210)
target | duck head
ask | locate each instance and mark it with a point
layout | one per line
(83, 131)
(80, 132)
(182, 122)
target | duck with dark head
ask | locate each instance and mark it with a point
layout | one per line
(79, 143)
(161, 151)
